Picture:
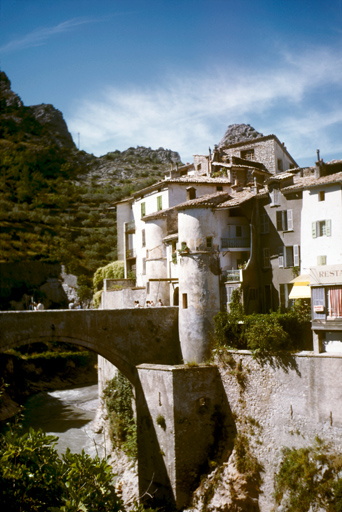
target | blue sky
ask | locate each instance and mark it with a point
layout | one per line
(175, 74)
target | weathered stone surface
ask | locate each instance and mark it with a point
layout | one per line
(52, 119)
(282, 402)
(238, 133)
(183, 415)
(126, 337)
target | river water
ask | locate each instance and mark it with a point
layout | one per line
(68, 414)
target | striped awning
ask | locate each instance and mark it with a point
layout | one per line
(301, 287)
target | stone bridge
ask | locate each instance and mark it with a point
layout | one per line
(144, 345)
(125, 337)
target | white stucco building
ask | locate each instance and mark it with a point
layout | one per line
(230, 221)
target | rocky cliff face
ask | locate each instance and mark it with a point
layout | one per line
(36, 122)
(238, 133)
(52, 119)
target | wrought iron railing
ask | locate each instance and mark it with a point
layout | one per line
(232, 275)
(236, 242)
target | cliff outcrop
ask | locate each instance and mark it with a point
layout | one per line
(238, 133)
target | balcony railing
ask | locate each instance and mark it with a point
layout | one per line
(232, 275)
(130, 253)
(130, 227)
(235, 243)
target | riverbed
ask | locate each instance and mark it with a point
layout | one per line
(68, 414)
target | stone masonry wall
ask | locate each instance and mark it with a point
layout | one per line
(292, 401)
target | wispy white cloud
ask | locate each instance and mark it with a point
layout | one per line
(41, 35)
(188, 114)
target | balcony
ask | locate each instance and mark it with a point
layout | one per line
(130, 227)
(232, 275)
(130, 254)
(239, 242)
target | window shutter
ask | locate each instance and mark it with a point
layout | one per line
(321, 260)
(290, 219)
(314, 230)
(159, 203)
(289, 256)
(328, 227)
(143, 209)
(296, 255)
(281, 257)
(275, 196)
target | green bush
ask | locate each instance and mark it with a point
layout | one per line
(263, 333)
(34, 478)
(114, 270)
(118, 397)
(310, 479)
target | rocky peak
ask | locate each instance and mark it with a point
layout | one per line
(47, 118)
(238, 133)
(52, 119)
(8, 98)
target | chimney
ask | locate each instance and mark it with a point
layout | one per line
(320, 168)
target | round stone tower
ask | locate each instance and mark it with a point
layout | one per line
(199, 281)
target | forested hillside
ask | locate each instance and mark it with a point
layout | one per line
(55, 200)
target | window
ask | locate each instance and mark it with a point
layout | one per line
(321, 260)
(219, 188)
(159, 203)
(264, 224)
(266, 257)
(247, 154)
(143, 238)
(321, 228)
(321, 196)
(190, 193)
(209, 241)
(288, 256)
(284, 291)
(335, 302)
(284, 220)
(185, 301)
(274, 195)
(143, 209)
(199, 167)
(280, 165)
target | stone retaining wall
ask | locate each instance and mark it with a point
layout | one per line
(292, 400)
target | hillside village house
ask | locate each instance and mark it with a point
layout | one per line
(244, 216)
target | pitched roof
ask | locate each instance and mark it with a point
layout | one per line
(307, 182)
(186, 180)
(237, 199)
(206, 201)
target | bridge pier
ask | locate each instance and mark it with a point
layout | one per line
(183, 422)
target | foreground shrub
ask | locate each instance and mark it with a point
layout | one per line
(34, 478)
(310, 479)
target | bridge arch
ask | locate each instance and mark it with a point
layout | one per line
(126, 338)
